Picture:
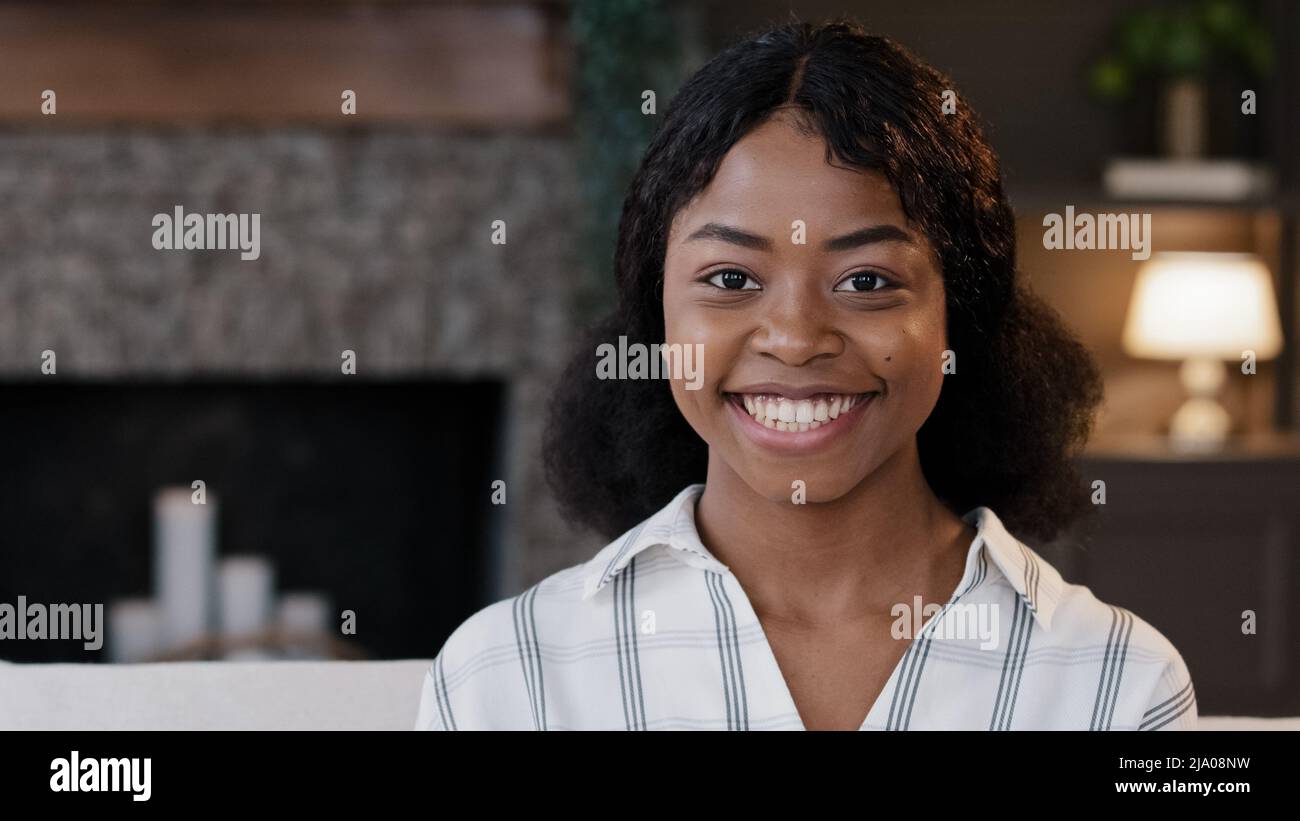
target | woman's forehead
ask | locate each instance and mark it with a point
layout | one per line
(776, 174)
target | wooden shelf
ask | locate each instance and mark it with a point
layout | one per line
(1152, 447)
(1028, 199)
(475, 65)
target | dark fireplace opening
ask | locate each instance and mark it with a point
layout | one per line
(374, 494)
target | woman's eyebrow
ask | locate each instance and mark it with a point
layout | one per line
(868, 236)
(856, 239)
(735, 236)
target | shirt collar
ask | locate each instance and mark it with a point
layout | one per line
(1035, 581)
(673, 526)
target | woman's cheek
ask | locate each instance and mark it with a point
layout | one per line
(909, 361)
(711, 336)
(696, 385)
(923, 373)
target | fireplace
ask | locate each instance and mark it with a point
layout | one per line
(375, 494)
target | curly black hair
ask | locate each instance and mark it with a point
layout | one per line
(1020, 405)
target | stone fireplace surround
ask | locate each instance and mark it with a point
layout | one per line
(376, 241)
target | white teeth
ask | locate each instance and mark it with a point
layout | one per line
(797, 415)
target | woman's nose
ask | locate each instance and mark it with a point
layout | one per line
(796, 330)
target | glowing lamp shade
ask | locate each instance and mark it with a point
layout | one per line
(1202, 308)
(1215, 306)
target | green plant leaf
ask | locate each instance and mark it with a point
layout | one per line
(1185, 49)
(1111, 79)
(1223, 20)
(1255, 47)
(1140, 36)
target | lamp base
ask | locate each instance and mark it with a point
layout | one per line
(1200, 424)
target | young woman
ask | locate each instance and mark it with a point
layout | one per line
(821, 535)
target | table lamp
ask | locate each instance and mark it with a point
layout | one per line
(1202, 308)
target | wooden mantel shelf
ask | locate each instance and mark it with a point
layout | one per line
(460, 65)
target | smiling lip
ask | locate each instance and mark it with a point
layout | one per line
(793, 442)
(790, 392)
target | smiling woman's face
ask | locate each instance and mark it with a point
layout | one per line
(822, 359)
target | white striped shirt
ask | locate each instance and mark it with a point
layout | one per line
(655, 633)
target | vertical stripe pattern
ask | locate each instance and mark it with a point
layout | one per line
(1112, 669)
(735, 695)
(443, 699)
(900, 710)
(530, 653)
(1013, 666)
(629, 658)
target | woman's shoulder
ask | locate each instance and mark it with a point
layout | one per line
(560, 604)
(1126, 654)
(473, 680)
(1082, 617)
(1140, 678)
(488, 672)
(509, 621)
(1070, 613)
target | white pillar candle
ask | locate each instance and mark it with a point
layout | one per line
(184, 544)
(303, 612)
(244, 595)
(134, 630)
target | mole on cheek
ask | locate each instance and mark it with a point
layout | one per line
(888, 358)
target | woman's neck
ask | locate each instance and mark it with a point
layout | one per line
(827, 563)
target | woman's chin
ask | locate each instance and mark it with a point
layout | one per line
(813, 488)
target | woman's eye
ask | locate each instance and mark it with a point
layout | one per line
(733, 280)
(863, 281)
